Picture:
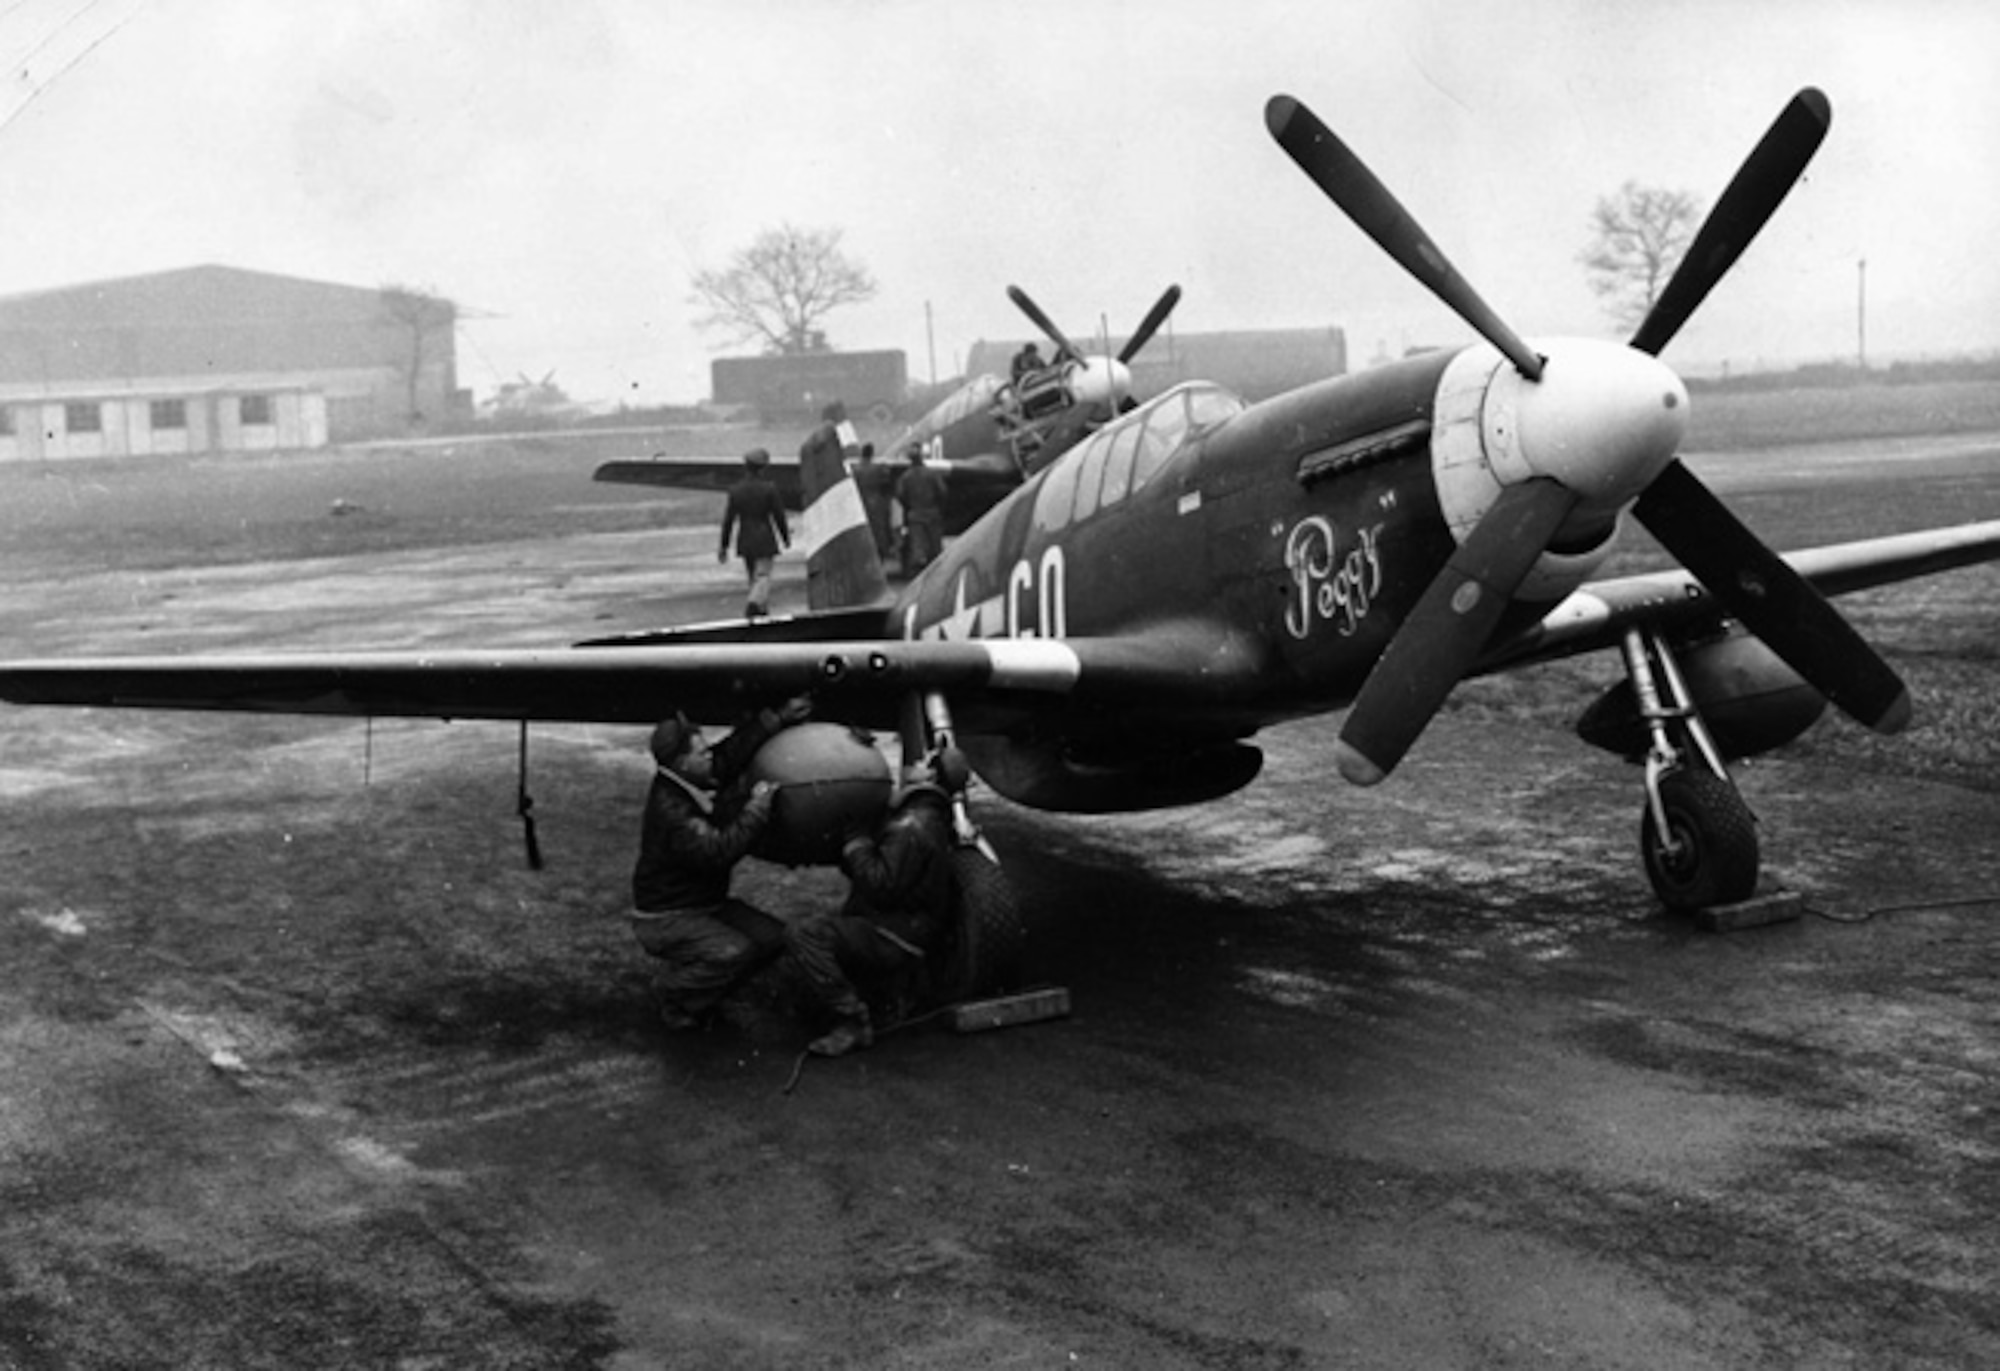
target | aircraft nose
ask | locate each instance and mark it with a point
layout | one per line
(1101, 381)
(1604, 420)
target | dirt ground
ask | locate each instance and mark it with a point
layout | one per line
(301, 1065)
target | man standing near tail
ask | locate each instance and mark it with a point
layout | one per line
(756, 516)
(920, 491)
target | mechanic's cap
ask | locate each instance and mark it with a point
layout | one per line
(757, 457)
(671, 738)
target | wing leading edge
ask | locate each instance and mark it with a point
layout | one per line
(1598, 615)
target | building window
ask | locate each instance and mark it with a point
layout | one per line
(83, 416)
(169, 414)
(254, 409)
(6, 421)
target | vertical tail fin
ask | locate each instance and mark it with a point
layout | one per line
(842, 568)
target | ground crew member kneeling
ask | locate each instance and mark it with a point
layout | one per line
(897, 916)
(699, 822)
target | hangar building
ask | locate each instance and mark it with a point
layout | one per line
(218, 359)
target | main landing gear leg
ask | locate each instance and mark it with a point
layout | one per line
(986, 953)
(1697, 837)
(927, 728)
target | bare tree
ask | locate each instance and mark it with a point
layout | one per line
(1637, 239)
(779, 289)
(421, 312)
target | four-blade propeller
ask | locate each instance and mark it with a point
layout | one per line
(1103, 374)
(1150, 325)
(1042, 321)
(1446, 630)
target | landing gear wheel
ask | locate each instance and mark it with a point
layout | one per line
(1713, 856)
(986, 953)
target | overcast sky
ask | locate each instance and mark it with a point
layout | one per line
(562, 169)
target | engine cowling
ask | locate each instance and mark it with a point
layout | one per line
(1602, 421)
(831, 780)
(1751, 701)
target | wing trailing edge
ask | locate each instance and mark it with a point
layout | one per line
(698, 473)
(706, 673)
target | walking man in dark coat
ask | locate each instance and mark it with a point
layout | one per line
(756, 516)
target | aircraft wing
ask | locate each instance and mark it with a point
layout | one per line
(973, 484)
(1599, 614)
(640, 681)
(860, 673)
(699, 473)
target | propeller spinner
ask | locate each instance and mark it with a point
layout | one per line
(1610, 445)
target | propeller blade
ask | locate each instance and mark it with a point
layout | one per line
(1449, 625)
(1772, 600)
(1150, 325)
(1346, 181)
(1752, 196)
(1041, 320)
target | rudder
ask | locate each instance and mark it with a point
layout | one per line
(842, 567)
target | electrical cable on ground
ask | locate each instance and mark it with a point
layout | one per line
(1865, 915)
(799, 1066)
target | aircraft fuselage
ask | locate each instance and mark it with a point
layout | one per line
(1301, 531)
(1249, 520)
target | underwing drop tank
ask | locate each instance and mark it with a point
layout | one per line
(1751, 701)
(831, 781)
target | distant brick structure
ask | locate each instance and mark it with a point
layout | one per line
(799, 386)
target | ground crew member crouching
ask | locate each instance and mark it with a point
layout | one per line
(897, 917)
(699, 822)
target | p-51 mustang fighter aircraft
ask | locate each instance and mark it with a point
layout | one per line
(1113, 635)
(988, 435)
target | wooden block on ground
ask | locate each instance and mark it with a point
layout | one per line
(1778, 907)
(1006, 1010)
